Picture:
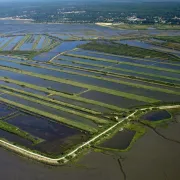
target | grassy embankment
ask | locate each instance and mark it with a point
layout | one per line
(36, 42)
(32, 53)
(104, 72)
(105, 68)
(175, 39)
(154, 124)
(129, 125)
(51, 116)
(51, 103)
(141, 26)
(122, 49)
(91, 87)
(51, 91)
(47, 42)
(118, 62)
(7, 43)
(23, 40)
(15, 130)
(108, 79)
(172, 42)
(113, 80)
(139, 129)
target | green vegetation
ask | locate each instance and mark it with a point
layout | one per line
(117, 62)
(22, 42)
(155, 124)
(50, 91)
(51, 103)
(13, 129)
(142, 26)
(121, 49)
(51, 116)
(7, 43)
(36, 42)
(112, 80)
(175, 39)
(114, 74)
(96, 88)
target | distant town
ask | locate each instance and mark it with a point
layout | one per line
(131, 13)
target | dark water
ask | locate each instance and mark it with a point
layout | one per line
(120, 141)
(42, 127)
(156, 115)
(81, 104)
(95, 82)
(15, 139)
(62, 87)
(50, 110)
(149, 62)
(5, 110)
(57, 137)
(112, 99)
(65, 46)
(148, 46)
(22, 88)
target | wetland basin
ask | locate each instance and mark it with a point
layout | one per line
(56, 137)
(156, 115)
(65, 46)
(120, 141)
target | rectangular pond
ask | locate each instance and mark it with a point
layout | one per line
(5, 110)
(101, 83)
(48, 109)
(120, 141)
(112, 99)
(61, 87)
(65, 46)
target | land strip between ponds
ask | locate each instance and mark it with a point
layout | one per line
(36, 42)
(7, 43)
(121, 56)
(92, 87)
(103, 72)
(45, 66)
(18, 45)
(72, 154)
(51, 116)
(81, 99)
(51, 103)
(118, 62)
(57, 56)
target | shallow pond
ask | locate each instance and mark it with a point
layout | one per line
(112, 99)
(13, 43)
(42, 127)
(40, 43)
(120, 141)
(156, 115)
(51, 110)
(61, 87)
(65, 46)
(5, 110)
(81, 104)
(22, 88)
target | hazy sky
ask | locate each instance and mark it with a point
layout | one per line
(88, 0)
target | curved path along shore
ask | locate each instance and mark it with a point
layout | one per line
(54, 161)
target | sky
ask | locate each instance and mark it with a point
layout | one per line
(86, 0)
